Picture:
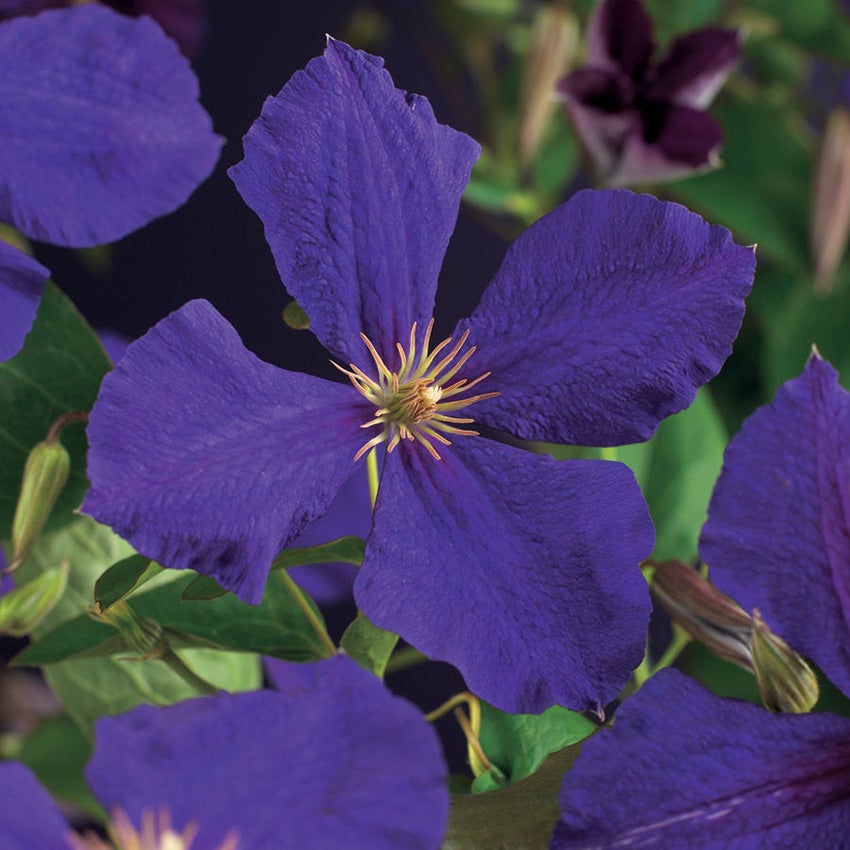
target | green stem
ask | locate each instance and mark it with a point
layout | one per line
(405, 657)
(308, 612)
(608, 453)
(674, 649)
(471, 727)
(372, 470)
(179, 666)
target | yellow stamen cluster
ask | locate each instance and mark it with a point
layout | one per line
(156, 834)
(414, 403)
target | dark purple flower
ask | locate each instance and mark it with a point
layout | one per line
(642, 120)
(605, 317)
(102, 132)
(336, 761)
(684, 768)
(778, 531)
(184, 20)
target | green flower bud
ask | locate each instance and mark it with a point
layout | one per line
(23, 608)
(295, 317)
(45, 474)
(785, 680)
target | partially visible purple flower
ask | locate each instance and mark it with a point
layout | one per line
(684, 768)
(336, 761)
(184, 20)
(778, 531)
(605, 317)
(101, 133)
(642, 120)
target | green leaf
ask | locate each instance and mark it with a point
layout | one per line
(673, 17)
(677, 470)
(58, 370)
(202, 588)
(57, 752)
(518, 744)
(274, 627)
(90, 687)
(775, 215)
(89, 548)
(518, 817)
(93, 687)
(368, 645)
(122, 579)
(806, 318)
(818, 25)
(345, 550)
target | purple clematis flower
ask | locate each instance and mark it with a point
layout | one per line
(605, 317)
(338, 762)
(184, 20)
(135, 141)
(778, 531)
(684, 768)
(640, 120)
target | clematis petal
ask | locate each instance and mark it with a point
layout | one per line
(206, 458)
(28, 816)
(22, 281)
(335, 762)
(684, 768)
(519, 570)
(695, 66)
(682, 136)
(358, 187)
(606, 316)
(619, 37)
(778, 530)
(134, 140)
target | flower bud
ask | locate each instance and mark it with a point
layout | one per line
(830, 213)
(295, 317)
(23, 608)
(553, 43)
(45, 474)
(705, 613)
(142, 635)
(785, 680)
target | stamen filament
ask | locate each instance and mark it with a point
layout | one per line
(412, 404)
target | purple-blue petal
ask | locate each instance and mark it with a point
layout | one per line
(135, 143)
(619, 36)
(335, 762)
(184, 20)
(206, 458)
(358, 187)
(606, 316)
(684, 768)
(22, 281)
(778, 530)
(695, 66)
(519, 570)
(28, 816)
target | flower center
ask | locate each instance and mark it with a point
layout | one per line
(156, 834)
(415, 403)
